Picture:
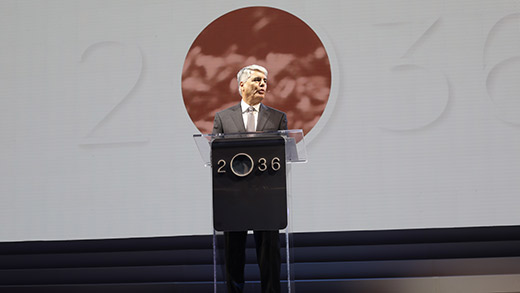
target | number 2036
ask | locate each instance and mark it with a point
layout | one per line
(262, 165)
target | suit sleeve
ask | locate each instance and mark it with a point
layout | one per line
(217, 124)
(283, 122)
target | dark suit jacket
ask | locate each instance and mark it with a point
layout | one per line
(230, 120)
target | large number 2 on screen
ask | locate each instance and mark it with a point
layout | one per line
(114, 70)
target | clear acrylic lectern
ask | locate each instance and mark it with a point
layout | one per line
(252, 191)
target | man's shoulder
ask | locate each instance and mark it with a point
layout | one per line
(272, 110)
(229, 110)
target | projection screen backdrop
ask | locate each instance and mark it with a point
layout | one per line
(417, 124)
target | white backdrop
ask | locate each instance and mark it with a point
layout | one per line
(422, 128)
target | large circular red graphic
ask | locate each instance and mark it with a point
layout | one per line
(299, 76)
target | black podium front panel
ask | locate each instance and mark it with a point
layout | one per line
(249, 183)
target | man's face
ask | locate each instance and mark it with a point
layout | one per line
(254, 88)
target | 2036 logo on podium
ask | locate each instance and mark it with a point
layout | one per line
(242, 164)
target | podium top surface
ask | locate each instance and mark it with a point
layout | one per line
(294, 143)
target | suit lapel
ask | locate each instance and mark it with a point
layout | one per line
(263, 116)
(236, 116)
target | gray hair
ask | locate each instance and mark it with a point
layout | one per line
(245, 73)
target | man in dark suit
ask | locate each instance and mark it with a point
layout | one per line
(248, 116)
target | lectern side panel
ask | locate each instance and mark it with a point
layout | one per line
(249, 184)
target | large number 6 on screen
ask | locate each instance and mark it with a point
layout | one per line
(501, 51)
(110, 74)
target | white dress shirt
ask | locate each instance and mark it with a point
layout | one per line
(244, 107)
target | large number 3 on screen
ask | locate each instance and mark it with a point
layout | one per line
(412, 96)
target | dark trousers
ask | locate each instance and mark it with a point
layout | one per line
(267, 255)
